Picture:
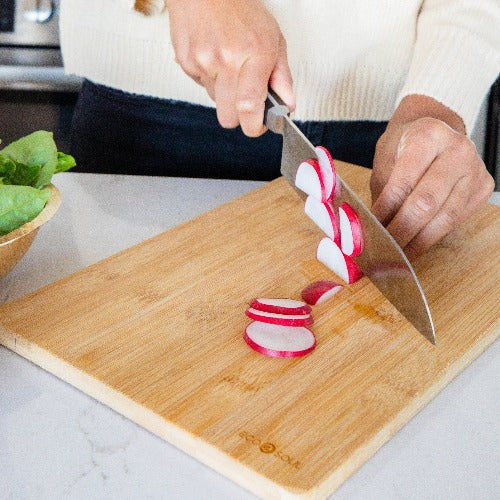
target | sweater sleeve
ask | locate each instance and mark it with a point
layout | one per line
(127, 4)
(457, 54)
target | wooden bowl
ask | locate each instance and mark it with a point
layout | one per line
(15, 244)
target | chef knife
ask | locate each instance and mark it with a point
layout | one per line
(382, 260)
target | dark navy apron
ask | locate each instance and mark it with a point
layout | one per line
(121, 133)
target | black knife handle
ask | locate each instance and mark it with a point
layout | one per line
(275, 110)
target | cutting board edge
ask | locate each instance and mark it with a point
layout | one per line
(211, 456)
(202, 451)
(363, 454)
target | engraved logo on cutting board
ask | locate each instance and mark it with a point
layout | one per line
(269, 448)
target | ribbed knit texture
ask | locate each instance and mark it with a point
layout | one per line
(350, 59)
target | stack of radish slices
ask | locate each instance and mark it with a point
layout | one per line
(279, 327)
(318, 179)
(320, 291)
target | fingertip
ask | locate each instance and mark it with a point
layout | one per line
(382, 211)
(254, 132)
(376, 210)
(375, 189)
(291, 103)
(251, 116)
(412, 251)
(284, 90)
(226, 116)
(281, 81)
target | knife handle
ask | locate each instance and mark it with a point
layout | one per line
(275, 110)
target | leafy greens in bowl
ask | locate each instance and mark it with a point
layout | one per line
(26, 168)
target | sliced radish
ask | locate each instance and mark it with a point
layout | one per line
(338, 187)
(327, 166)
(320, 291)
(279, 319)
(329, 254)
(309, 179)
(351, 230)
(323, 215)
(280, 306)
(279, 341)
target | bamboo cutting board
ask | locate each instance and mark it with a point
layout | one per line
(155, 332)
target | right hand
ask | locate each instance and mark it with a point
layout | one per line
(236, 51)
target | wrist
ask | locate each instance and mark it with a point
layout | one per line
(415, 106)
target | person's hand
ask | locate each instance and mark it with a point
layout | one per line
(427, 175)
(235, 50)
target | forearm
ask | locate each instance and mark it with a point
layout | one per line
(415, 106)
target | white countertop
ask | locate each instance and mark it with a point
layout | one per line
(58, 443)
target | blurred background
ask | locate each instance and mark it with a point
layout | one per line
(36, 94)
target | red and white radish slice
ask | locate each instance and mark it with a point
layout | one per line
(280, 306)
(329, 254)
(279, 319)
(279, 341)
(351, 230)
(327, 166)
(324, 216)
(320, 291)
(338, 188)
(309, 179)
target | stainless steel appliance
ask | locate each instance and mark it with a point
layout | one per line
(35, 93)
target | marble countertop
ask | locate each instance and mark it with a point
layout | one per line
(58, 443)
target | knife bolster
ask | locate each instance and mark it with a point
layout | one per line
(274, 112)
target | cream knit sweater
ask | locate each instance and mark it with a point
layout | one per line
(350, 59)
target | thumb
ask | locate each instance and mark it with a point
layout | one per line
(281, 77)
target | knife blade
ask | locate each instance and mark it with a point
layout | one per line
(382, 260)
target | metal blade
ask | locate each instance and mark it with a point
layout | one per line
(382, 260)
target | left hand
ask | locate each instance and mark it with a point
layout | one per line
(427, 175)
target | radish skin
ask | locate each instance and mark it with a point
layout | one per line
(280, 306)
(351, 231)
(324, 216)
(320, 291)
(279, 341)
(279, 319)
(330, 254)
(309, 179)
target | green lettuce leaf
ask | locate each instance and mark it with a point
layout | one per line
(18, 173)
(26, 166)
(36, 153)
(20, 204)
(64, 162)
(7, 170)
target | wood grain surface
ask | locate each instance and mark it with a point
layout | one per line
(155, 332)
